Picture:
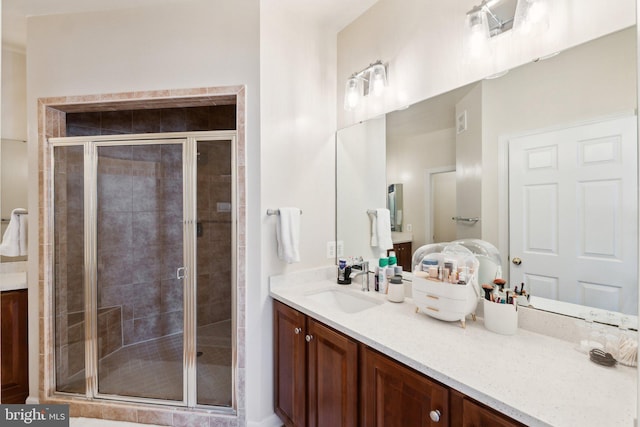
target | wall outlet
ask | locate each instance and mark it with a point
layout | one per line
(409, 228)
(340, 248)
(331, 249)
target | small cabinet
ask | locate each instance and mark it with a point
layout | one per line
(316, 372)
(466, 412)
(14, 357)
(403, 255)
(395, 395)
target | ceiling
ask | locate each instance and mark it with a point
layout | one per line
(334, 13)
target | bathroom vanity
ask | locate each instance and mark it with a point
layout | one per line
(381, 363)
(324, 377)
(14, 358)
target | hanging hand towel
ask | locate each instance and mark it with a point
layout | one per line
(14, 235)
(24, 220)
(381, 229)
(288, 234)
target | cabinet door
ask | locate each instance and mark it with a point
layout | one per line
(468, 413)
(332, 376)
(14, 373)
(403, 250)
(289, 328)
(394, 395)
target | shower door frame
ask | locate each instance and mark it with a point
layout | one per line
(189, 142)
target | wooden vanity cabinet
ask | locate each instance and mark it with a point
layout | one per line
(323, 378)
(316, 372)
(466, 412)
(14, 357)
(403, 254)
(394, 395)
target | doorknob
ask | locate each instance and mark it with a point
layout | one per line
(516, 261)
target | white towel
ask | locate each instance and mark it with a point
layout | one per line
(14, 240)
(381, 229)
(288, 235)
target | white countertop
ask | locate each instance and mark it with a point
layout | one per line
(533, 378)
(401, 237)
(13, 281)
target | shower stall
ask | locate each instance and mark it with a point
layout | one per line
(144, 252)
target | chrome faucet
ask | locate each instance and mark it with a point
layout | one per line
(362, 265)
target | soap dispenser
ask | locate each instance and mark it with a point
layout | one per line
(396, 289)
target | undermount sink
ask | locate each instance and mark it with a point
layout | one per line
(344, 301)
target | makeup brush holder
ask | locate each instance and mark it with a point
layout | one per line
(500, 318)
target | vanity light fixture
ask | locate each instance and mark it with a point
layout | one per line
(530, 14)
(493, 17)
(371, 80)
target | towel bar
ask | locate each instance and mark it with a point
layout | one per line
(277, 212)
(463, 219)
(7, 220)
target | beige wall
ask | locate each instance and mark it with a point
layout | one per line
(408, 160)
(297, 164)
(14, 94)
(469, 165)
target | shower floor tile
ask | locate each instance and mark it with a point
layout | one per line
(154, 368)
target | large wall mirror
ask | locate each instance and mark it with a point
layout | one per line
(460, 154)
(13, 124)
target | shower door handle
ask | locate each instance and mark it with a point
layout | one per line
(181, 273)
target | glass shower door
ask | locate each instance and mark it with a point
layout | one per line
(140, 250)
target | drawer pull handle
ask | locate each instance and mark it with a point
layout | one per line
(433, 296)
(435, 416)
(308, 338)
(297, 330)
(432, 308)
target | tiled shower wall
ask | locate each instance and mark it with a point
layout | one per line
(214, 241)
(189, 119)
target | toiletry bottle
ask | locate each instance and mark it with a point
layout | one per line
(382, 275)
(391, 269)
(396, 289)
(344, 272)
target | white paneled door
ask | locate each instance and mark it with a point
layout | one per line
(573, 220)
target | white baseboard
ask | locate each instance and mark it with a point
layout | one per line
(32, 400)
(270, 421)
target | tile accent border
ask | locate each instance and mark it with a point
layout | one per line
(51, 123)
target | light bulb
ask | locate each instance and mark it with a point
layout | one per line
(351, 94)
(530, 14)
(477, 33)
(377, 79)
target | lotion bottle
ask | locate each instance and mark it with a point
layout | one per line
(382, 275)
